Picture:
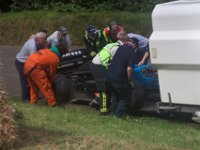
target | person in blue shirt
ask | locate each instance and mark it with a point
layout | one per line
(142, 48)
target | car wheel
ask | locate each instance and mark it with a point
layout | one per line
(62, 88)
(138, 95)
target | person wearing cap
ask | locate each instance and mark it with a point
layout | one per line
(142, 48)
(59, 36)
(98, 68)
(111, 32)
(30, 46)
(94, 40)
(40, 69)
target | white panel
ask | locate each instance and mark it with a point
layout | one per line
(175, 50)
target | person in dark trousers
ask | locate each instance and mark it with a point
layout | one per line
(118, 79)
(30, 46)
(94, 40)
(98, 68)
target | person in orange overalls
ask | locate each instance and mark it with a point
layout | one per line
(40, 69)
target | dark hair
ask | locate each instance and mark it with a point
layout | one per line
(135, 40)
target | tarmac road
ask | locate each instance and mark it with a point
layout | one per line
(8, 72)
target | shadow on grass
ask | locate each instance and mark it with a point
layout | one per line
(28, 137)
(40, 139)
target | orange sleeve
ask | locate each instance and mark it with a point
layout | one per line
(52, 70)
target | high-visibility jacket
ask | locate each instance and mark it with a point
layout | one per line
(94, 46)
(105, 54)
(108, 36)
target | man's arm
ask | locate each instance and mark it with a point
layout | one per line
(89, 48)
(144, 58)
(129, 72)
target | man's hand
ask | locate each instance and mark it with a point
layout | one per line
(141, 63)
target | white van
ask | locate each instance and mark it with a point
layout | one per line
(175, 51)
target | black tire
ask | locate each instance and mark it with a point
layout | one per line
(138, 95)
(62, 89)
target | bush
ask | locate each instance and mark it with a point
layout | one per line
(7, 125)
(19, 5)
(97, 5)
(21, 25)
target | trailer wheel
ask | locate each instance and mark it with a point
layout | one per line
(62, 88)
(138, 95)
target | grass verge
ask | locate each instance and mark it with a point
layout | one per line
(80, 127)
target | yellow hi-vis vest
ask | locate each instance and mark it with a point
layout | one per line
(105, 54)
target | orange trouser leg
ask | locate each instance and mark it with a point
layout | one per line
(41, 80)
(33, 90)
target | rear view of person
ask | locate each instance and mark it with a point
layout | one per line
(98, 68)
(40, 69)
(94, 40)
(31, 46)
(118, 77)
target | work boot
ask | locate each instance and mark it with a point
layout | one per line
(52, 105)
(105, 113)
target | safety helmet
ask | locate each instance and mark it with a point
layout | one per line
(92, 31)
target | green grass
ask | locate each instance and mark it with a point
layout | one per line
(80, 127)
(15, 28)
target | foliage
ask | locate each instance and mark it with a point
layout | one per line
(23, 24)
(80, 5)
(79, 127)
(61, 7)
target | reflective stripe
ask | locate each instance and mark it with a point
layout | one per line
(97, 43)
(104, 106)
(98, 39)
(106, 38)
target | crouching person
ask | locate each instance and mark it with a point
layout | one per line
(118, 78)
(40, 69)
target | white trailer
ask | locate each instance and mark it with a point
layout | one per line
(175, 51)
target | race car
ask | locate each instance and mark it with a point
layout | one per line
(75, 82)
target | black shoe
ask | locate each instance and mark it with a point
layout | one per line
(105, 113)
